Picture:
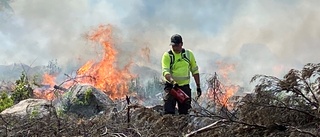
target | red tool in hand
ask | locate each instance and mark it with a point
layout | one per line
(179, 94)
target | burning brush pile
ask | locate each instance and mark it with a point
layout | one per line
(97, 102)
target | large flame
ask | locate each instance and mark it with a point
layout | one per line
(104, 75)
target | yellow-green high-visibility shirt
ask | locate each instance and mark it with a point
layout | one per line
(181, 69)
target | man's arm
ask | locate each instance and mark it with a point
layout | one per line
(166, 67)
(195, 73)
(197, 79)
(194, 69)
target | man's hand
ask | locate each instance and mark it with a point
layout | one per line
(175, 85)
(168, 87)
(199, 91)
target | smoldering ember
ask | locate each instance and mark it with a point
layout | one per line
(104, 100)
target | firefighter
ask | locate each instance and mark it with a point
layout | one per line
(177, 64)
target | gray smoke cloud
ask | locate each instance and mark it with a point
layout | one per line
(255, 37)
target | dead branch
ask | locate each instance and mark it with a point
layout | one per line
(299, 92)
(168, 134)
(136, 131)
(128, 112)
(312, 92)
(281, 107)
(105, 132)
(204, 129)
(251, 125)
(295, 129)
(59, 88)
(118, 135)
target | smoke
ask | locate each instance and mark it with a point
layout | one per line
(257, 37)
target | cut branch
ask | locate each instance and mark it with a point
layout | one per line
(294, 129)
(204, 129)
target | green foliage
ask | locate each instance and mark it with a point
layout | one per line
(84, 100)
(79, 102)
(5, 101)
(34, 113)
(60, 112)
(87, 95)
(22, 90)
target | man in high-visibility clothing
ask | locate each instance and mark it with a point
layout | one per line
(177, 64)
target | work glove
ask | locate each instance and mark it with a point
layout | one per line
(169, 86)
(199, 91)
(175, 85)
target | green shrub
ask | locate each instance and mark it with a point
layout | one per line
(22, 90)
(87, 96)
(5, 101)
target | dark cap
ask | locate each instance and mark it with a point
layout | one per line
(175, 39)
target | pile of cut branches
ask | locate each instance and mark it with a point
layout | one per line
(278, 107)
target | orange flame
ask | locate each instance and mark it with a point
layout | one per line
(48, 80)
(228, 90)
(104, 75)
(47, 92)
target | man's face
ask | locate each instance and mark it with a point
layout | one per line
(177, 48)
